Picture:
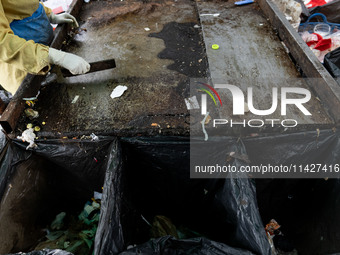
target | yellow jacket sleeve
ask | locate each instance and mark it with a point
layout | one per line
(25, 55)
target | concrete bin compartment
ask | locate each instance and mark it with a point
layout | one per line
(146, 177)
(59, 176)
(153, 179)
(140, 177)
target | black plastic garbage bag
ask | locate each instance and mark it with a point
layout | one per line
(305, 148)
(57, 176)
(139, 174)
(307, 209)
(168, 245)
(45, 252)
(151, 177)
(233, 199)
(332, 63)
(144, 177)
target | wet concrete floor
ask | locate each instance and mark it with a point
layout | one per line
(154, 101)
(158, 47)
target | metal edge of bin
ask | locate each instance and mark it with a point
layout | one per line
(31, 84)
(320, 80)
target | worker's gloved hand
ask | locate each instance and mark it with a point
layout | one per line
(75, 64)
(63, 18)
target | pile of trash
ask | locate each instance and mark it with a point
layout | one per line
(163, 226)
(150, 205)
(318, 24)
(33, 125)
(292, 10)
(321, 37)
(75, 235)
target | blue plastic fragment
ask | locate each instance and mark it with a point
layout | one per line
(244, 2)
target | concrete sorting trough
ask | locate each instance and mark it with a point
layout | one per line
(158, 48)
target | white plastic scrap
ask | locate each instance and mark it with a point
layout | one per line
(210, 14)
(118, 91)
(97, 195)
(147, 29)
(28, 136)
(75, 99)
(192, 103)
(31, 98)
(94, 137)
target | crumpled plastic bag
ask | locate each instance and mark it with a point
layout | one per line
(45, 252)
(321, 46)
(332, 63)
(198, 246)
(28, 136)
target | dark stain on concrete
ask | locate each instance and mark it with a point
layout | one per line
(184, 45)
